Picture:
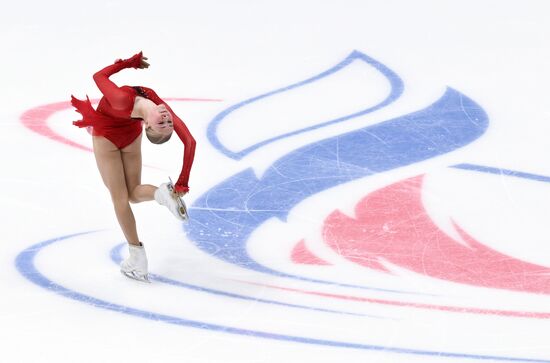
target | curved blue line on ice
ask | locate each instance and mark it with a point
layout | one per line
(116, 257)
(396, 89)
(25, 265)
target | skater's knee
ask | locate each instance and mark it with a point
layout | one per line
(120, 199)
(133, 196)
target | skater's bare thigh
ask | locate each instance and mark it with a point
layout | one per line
(131, 161)
(109, 163)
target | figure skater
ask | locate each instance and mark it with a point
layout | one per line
(116, 127)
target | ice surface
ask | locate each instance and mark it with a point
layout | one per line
(381, 212)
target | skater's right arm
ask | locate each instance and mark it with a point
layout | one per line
(118, 98)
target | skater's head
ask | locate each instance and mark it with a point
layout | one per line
(159, 124)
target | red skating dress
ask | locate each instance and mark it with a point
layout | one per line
(112, 118)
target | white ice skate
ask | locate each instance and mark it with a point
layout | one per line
(165, 196)
(135, 266)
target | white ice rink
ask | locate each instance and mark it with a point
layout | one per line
(371, 183)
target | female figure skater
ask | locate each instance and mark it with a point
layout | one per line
(117, 126)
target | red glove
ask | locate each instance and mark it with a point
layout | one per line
(132, 62)
(178, 188)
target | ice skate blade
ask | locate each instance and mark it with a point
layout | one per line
(183, 212)
(182, 208)
(134, 276)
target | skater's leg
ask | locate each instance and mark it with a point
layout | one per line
(109, 163)
(131, 160)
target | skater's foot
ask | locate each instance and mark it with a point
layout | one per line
(135, 266)
(164, 196)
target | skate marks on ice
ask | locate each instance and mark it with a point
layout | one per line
(226, 217)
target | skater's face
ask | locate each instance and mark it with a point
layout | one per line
(159, 124)
(160, 121)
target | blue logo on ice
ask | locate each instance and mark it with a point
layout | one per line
(224, 217)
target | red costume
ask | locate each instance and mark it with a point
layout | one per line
(113, 120)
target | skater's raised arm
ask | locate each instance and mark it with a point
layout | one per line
(118, 98)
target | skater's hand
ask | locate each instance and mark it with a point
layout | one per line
(180, 194)
(143, 63)
(180, 190)
(135, 59)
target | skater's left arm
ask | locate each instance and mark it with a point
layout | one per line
(182, 185)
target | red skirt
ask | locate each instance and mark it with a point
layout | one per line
(121, 131)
